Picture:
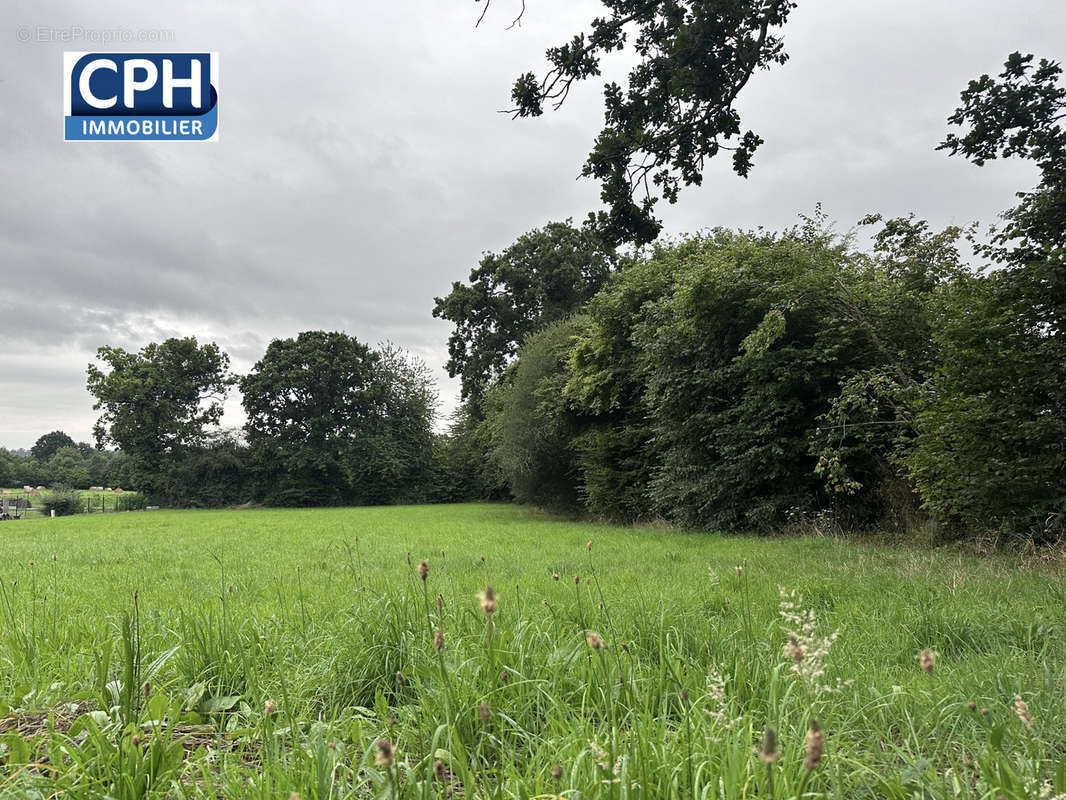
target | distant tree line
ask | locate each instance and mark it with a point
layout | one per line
(331, 421)
(750, 379)
(57, 460)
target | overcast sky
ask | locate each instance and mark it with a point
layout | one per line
(362, 166)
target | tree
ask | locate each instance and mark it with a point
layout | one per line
(215, 472)
(67, 468)
(991, 423)
(534, 429)
(708, 372)
(678, 106)
(158, 401)
(332, 421)
(543, 277)
(46, 446)
(392, 460)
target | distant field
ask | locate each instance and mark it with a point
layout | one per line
(95, 501)
(320, 618)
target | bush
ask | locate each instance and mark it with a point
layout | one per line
(64, 501)
(534, 429)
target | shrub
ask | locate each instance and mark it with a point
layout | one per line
(64, 501)
(534, 430)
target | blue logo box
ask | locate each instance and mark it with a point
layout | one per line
(140, 96)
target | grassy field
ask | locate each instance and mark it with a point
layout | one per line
(261, 653)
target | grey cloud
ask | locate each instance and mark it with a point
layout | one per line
(362, 167)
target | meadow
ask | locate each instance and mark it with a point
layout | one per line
(337, 653)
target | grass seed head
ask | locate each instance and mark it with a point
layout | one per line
(385, 754)
(927, 659)
(423, 570)
(815, 747)
(1021, 709)
(488, 601)
(768, 753)
(438, 640)
(270, 707)
(505, 676)
(440, 603)
(483, 713)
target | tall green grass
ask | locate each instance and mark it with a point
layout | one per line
(261, 653)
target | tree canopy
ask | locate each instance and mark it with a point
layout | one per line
(331, 420)
(544, 276)
(158, 400)
(678, 106)
(46, 446)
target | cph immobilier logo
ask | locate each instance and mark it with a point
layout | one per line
(146, 96)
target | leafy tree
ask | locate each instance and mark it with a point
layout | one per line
(605, 383)
(862, 438)
(46, 446)
(67, 468)
(213, 473)
(332, 421)
(533, 428)
(8, 468)
(26, 471)
(392, 459)
(158, 401)
(991, 446)
(543, 277)
(678, 107)
(464, 470)
(108, 468)
(710, 371)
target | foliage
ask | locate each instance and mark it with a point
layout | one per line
(63, 500)
(605, 384)
(214, 473)
(158, 401)
(677, 110)
(463, 468)
(393, 457)
(46, 446)
(992, 420)
(67, 468)
(276, 666)
(533, 428)
(720, 375)
(19, 470)
(543, 277)
(332, 421)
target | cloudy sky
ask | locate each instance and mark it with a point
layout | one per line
(362, 166)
